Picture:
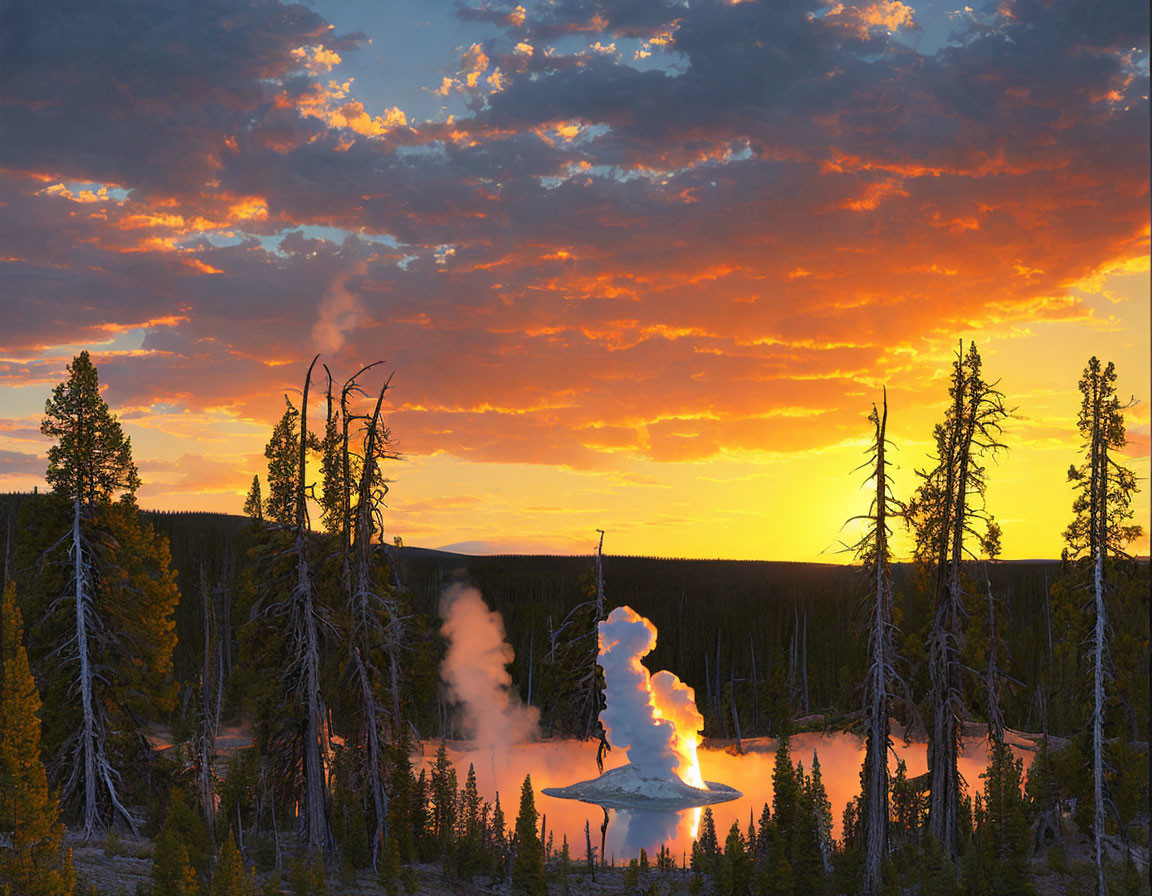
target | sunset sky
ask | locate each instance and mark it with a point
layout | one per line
(633, 265)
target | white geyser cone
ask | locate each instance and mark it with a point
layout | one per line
(654, 719)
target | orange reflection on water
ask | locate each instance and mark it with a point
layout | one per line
(563, 762)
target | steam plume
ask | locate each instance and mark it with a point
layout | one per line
(653, 717)
(341, 311)
(475, 672)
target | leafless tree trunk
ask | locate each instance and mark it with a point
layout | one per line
(209, 711)
(600, 577)
(973, 430)
(755, 686)
(90, 769)
(992, 671)
(305, 624)
(735, 713)
(804, 661)
(368, 607)
(1099, 651)
(531, 661)
(882, 675)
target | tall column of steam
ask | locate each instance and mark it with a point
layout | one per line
(475, 671)
(654, 718)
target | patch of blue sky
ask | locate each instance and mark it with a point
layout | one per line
(434, 149)
(412, 46)
(223, 239)
(270, 242)
(942, 24)
(337, 235)
(76, 187)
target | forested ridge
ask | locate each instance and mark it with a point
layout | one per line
(300, 623)
(750, 609)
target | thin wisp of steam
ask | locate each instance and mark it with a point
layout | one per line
(341, 311)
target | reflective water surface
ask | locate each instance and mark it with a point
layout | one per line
(558, 763)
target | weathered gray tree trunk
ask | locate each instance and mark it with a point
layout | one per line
(209, 710)
(1099, 649)
(314, 827)
(755, 686)
(880, 674)
(945, 646)
(367, 606)
(992, 669)
(91, 772)
(804, 661)
(89, 742)
(735, 713)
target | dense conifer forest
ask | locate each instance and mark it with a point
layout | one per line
(125, 630)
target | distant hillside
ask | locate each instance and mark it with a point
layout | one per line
(717, 619)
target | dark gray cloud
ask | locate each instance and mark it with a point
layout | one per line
(789, 198)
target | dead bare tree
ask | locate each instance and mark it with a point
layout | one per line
(883, 682)
(91, 774)
(580, 650)
(304, 623)
(376, 623)
(210, 670)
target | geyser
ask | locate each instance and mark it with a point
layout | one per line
(654, 719)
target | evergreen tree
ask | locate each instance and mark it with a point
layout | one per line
(114, 618)
(230, 877)
(425, 842)
(528, 866)
(283, 453)
(31, 861)
(709, 853)
(907, 806)
(401, 793)
(735, 873)
(1004, 832)
(499, 838)
(335, 498)
(443, 801)
(172, 871)
(1102, 508)
(254, 504)
(804, 840)
(565, 864)
(91, 459)
(185, 823)
(785, 796)
(822, 812)
(468, 826)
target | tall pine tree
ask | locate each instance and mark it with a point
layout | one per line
(254, 504)
(31, 861)
(1100, 529)
(113, 620)
(528, 866)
